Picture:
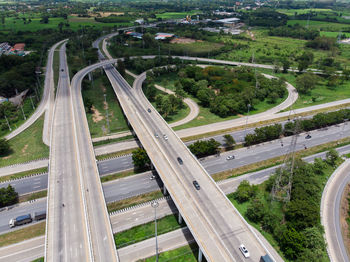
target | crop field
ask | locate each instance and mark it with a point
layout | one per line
(75, 23)
(291, 12)
(321, 25)
(177, 15)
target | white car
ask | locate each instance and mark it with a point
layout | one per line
(244, 251)
(165, 137)
(230, 157)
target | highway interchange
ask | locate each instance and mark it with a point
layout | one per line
(217, 163)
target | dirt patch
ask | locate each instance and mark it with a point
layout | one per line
(182, 40)
(96, 115)
(24, 149)
(105, 14)
(344, 209)
(252, 36)
(105, 105)
(200, 117)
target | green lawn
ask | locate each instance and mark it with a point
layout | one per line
(97, 119)
(183, 254)
(27, 146)
(291, 12)
(321, 25)
(319, 95)
(145, 231)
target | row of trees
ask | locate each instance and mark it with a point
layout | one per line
(202, 148)
(295, 31)
(320, 120)
(294, 225)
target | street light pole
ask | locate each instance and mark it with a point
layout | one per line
(246, 122)
(155, 204)
(31, 100)
(105, 95)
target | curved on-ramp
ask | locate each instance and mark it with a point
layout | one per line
(46, 103)
(330, 212)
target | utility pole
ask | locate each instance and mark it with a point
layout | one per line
(8, 123)
(31, 100)
(246, 122)
(155, 204)
(24, 116)
(105, 95)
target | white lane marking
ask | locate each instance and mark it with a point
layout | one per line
(22, 251)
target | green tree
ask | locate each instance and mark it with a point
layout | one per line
(8, 196)
(140, 159)
(305, 60)
(256, 211)
(60, 26)
(285, 64)
(245, 191)
(306, 82)
(121, 67)
(5, 148)
(229, 140)
(332, 156)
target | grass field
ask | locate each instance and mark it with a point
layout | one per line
(27, 146)
(145, 231)
(177, 15)
(97, 119)
(291, 12)
(183, 254)
(321, 25)
(22, 234)
(319, 95)
(75, 23)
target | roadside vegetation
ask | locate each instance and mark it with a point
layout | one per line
(99, 97)
(23, 174)
(294, 225)
(145, 231)
(183, 254)
(27, 146)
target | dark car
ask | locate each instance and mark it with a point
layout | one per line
(179, 160)
(149, 110)
(62, 70)
(308, 137)
(196, 185)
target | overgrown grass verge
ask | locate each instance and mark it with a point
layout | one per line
(133, 201)
(23, 174)
(117, 175)
(115, 154)
(114, 140)
(33, 196)
(145, 231)
(22, 234)
(41, 259)
(187, 253)
(27, 146)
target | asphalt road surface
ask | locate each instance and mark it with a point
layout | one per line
(67, 236)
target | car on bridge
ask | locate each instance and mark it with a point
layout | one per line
(196, 185)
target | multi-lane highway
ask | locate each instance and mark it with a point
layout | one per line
(213, 164)
(67, 235)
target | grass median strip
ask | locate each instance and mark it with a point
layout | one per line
(145, 231)
(133, 201)
(23, 174)
(115, 154)
(188, 253)
(117, 175)
(114, 140)
(22, 234)
(33, 196)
